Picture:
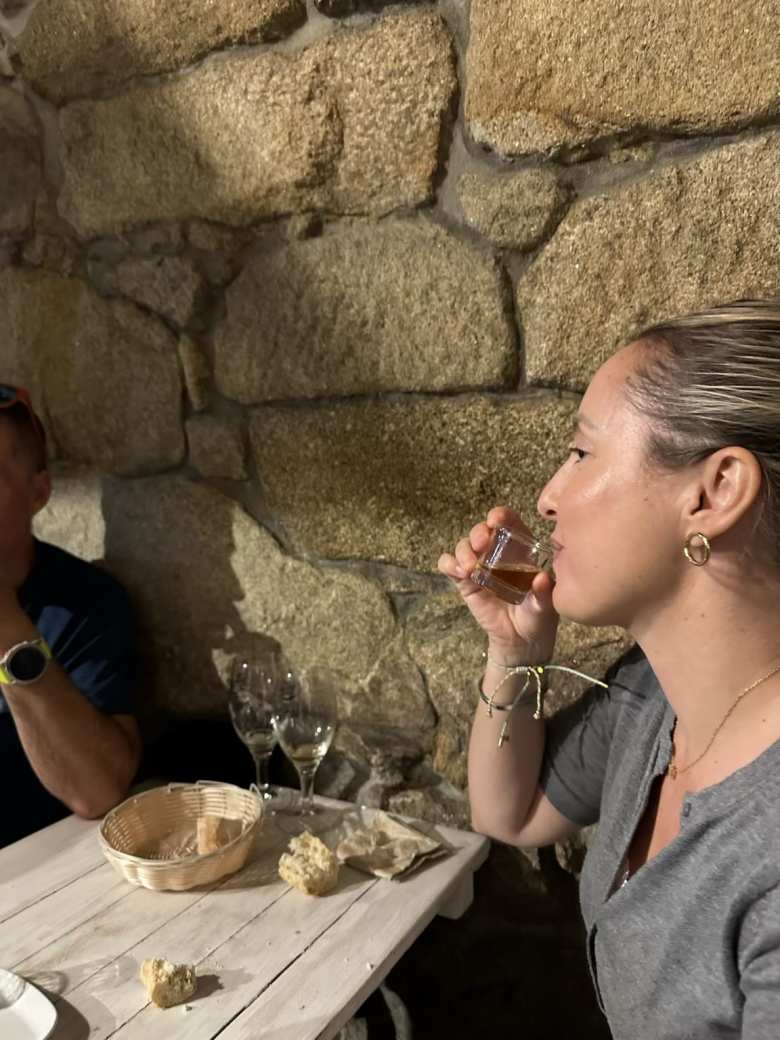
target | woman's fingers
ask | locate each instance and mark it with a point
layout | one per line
(449, 566)
(479, 537)
(465, 556)
(543, 586)
(540, 596)
(503, 516)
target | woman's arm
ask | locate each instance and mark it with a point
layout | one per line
(506, 802)
(503, 781)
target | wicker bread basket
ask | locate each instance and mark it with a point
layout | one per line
(136, 826)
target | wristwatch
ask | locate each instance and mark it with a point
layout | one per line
(25, 663)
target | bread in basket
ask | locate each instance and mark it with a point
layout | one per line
(146, 838)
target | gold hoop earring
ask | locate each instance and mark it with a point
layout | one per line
(703, 549)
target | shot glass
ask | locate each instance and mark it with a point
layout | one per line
(510, 564)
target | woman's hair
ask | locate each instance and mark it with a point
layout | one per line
(712, 380)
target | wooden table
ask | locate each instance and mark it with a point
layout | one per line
(271, 962)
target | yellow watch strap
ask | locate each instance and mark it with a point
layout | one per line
(43, 646)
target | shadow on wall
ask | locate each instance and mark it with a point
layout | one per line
(186, 591)
(176, 565)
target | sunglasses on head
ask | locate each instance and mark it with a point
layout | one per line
(13, 396)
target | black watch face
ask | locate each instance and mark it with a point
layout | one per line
(27, 664)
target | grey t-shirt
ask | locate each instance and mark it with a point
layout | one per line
(689, 947)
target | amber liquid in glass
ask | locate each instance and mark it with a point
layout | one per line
(509, 581)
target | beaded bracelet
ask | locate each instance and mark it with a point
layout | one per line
(533, 672)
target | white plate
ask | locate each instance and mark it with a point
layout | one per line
(25, 1013)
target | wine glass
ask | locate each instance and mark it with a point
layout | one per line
(305, 724)
(252, 697)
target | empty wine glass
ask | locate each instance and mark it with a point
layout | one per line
(305, 724)
(252, 697)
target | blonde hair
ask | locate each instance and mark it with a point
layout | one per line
(712, 380)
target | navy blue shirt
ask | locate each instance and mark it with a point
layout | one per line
(85, 617)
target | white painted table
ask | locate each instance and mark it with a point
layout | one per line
(271, 962)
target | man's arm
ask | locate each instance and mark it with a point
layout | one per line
(83, 757)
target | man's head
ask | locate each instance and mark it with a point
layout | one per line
(25, 485)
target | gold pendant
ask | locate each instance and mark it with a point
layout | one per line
(503, 737)
(672, 770)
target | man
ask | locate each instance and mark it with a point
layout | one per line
(68, 739)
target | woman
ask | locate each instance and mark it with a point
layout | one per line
(667, 523)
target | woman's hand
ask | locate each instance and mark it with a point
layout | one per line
(521, 633)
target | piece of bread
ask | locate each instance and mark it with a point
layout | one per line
(166, 983)
(312, 867)
(211, 836)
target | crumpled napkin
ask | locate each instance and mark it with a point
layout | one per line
(388, 848)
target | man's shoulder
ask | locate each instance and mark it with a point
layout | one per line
(59, 573)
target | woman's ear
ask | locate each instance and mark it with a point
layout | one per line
(728, 488)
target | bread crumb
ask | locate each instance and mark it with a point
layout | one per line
(312, 868)
(167, 984)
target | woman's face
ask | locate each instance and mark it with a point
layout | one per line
(617, 519)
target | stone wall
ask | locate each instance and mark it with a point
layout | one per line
(303, 289)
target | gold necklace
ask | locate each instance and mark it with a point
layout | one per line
(672, 769)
